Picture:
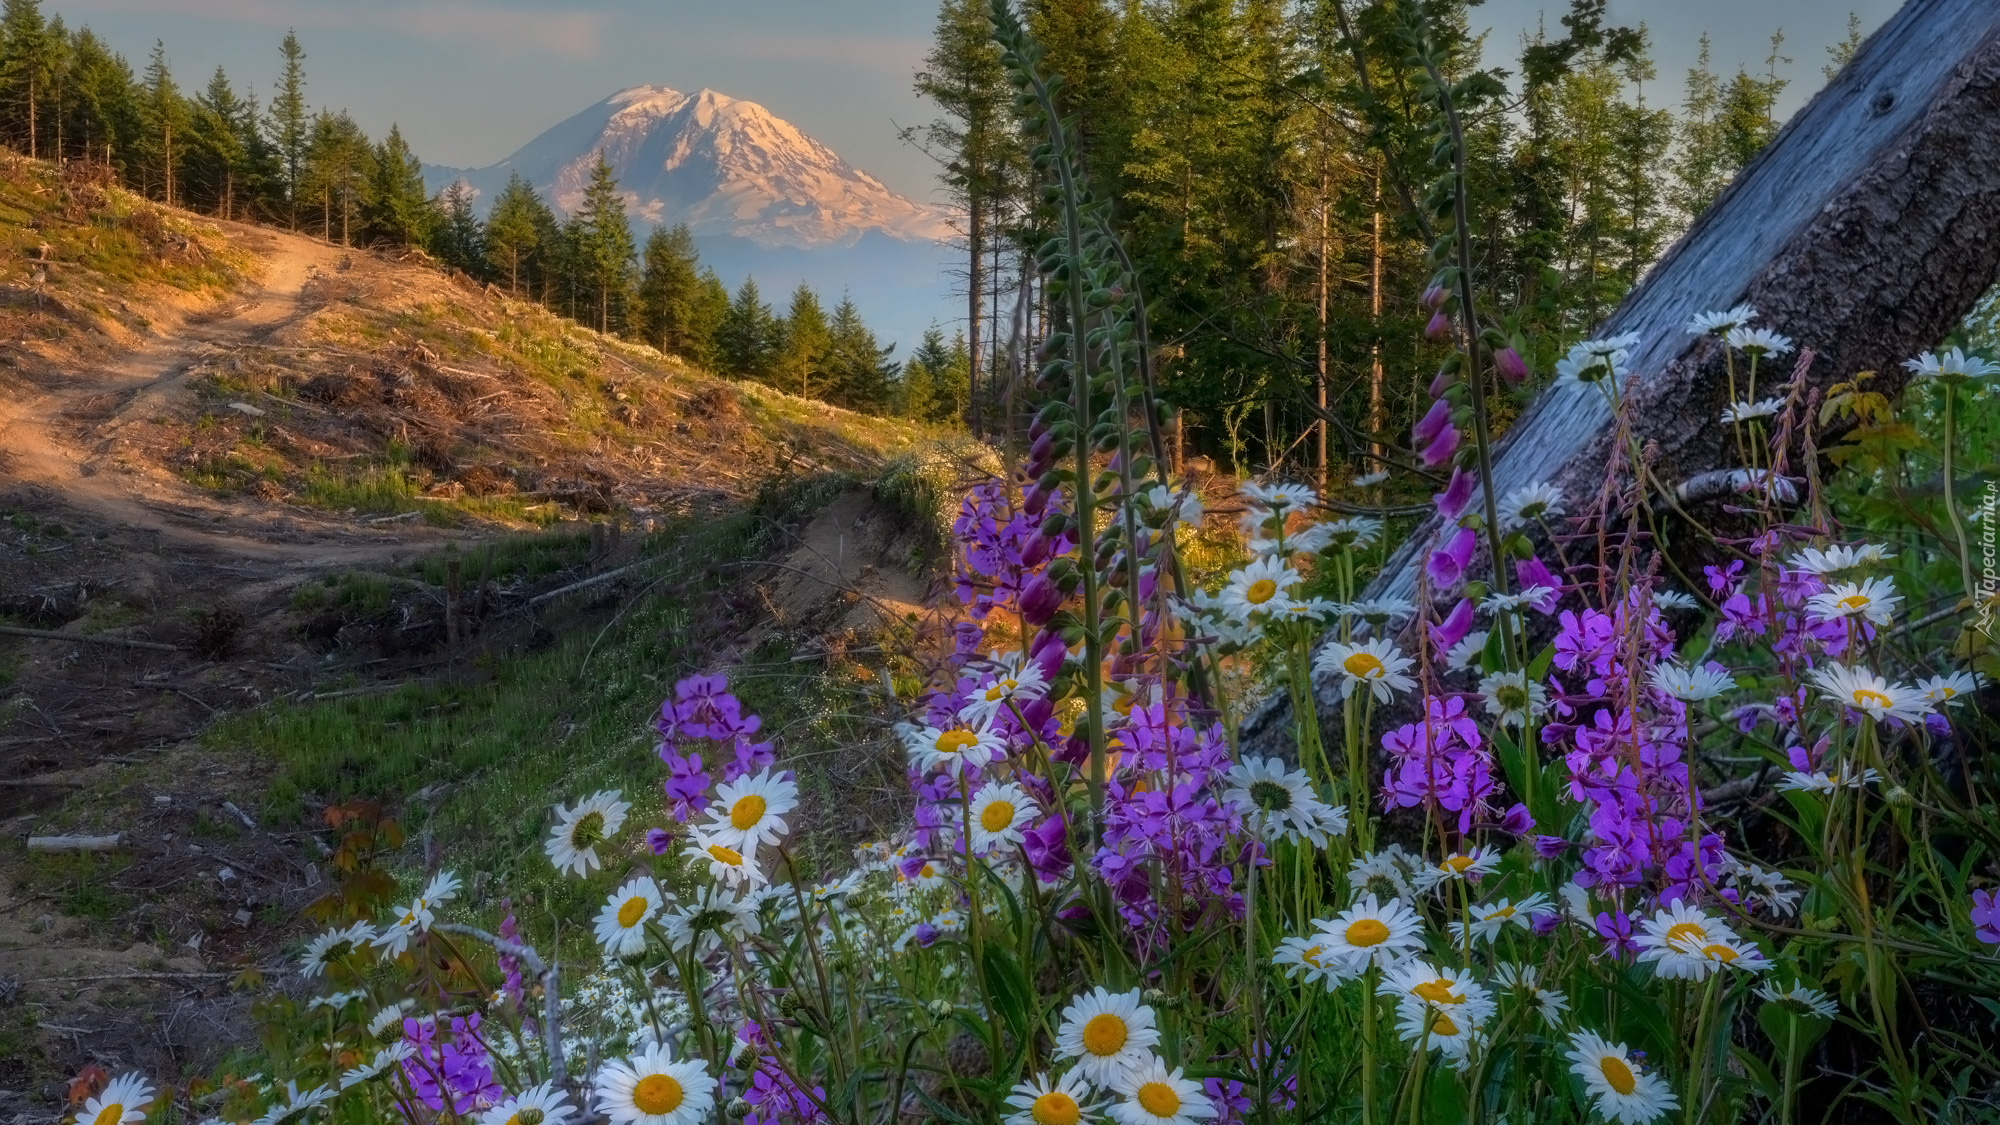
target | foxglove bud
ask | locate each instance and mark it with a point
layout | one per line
(1040, 600)
(1439, 325)
(1439, 452)
(1432, 423)
(1511, 366)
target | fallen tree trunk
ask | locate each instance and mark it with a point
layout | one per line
(1865, 231)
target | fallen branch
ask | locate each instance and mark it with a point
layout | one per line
(548, 973)
(593, 580)
(86, 638)
(76, 843)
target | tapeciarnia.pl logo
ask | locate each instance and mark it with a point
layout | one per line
(1989, 558)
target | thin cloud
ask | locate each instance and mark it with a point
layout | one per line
(501, 31)
(868, 51)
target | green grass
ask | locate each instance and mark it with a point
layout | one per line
(550, 725)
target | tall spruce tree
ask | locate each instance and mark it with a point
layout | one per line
(30, 58)
(337, 178)
(460, 237)
(514, 228)
(397, 209)
(748, 336)
(665, 307)
(289, 124)
(218, 148)
(164, 114)
(605, 253)
(801, 363)
(857, 365)
(100, 117)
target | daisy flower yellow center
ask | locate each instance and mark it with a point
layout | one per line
(110, 1115)
(1863, 697)
(633, 910)
(1055, 1108)
(1855, 601)
(1719, 952)
(1502, 912)
(1362, 665)
(926, 871)
(408, 919)
(588, 829)
(1368, 931)
(657, 1094)
(1691, 932)
(1270, 796)
(730, 856)
(526, 1115)
(1438, 992)
(999, 691)
(1458, 864)
(746, 812)
(1618, 1074)
(996, 816)
(1947, 692)
(1310, 955)
(1158, 1099)
(1261, 591)
(1124, 704)
(1442, 1025)
(955, 741)
(1105, 1035)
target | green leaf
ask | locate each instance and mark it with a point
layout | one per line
(1008, 986)
(1538, 668)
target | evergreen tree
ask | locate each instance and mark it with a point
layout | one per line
(665, 309)
(604, 250)
(338, 175)
(747, 338)
(931, 350)
(953, 381)
(514, 228)
(1842, 53)
(1701, 166)
(289, 126)
(29, 62)
(100, 117)
(857, 367)
(396, 208)
(218, 152)
(801, 363)
(916, 392)
(707, 313)
(1748, 119)
(164, 115)
(461, 241)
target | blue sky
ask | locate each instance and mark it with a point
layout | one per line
(471, 80)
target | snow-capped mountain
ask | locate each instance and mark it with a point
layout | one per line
(722, 165)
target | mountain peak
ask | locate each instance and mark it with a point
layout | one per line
(720, 164)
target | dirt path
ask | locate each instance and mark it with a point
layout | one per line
(65, 439)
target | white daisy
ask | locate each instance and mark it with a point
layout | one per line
(417, 917)
(999, 812)
(1758, 341)
(621, 925)
(1595, 360)
(1837, 558)
(389, 1021)
(651, 1088)
(1719, 323)
(1467, 652)
(1472, 865)
(1527, 980)
(1674, 599)
(1952, 365)
(333, 945)
(1369, 480)
(294, 1104)
(1107, 1033)
(123, 1102)
(1384, 873)
(1488, 919)
(1421, 986)
(1308, 609)
(375, 1067)
(572, 845)
(1512, 698)
(1370, 933)
(1873, 599)
(1376, 663)
(1739, 413)
(1515, 602)
(1828, 782)
(1693, 685)
(1943, 691)
(1279, 497)
(1672, 940)
(750, 811)
(1801, 999)
(1066, 1101)
(537, 1105)
(1184, 504)
(1017, 681)
(1620, 1089)
(1155, 1095)
(953, 749)
(1308, 540)
(1529, 503)
(1259, 588)
(1308, 959)
(726, 865)
(1353, 533)
(1862, 690)
(1381, 611)
(1280, 801)
(1450, 1031)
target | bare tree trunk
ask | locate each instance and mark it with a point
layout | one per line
(975, 232)
(1319, 376)
(1375, 419)
(1865, 231)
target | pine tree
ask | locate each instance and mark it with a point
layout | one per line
(916, 393)
(461, 241)
(28, 67)
(1702, 165)
(219, 159)
(1748, 119)
(396, 208)
(605, 249)
(1842, 53)
(290, 128)
(707, 313)
(165, 116)
(338, 174)
(856, 364)
(100, 117)
(664, 308)
(953, 381)
(747, 337)
(514, 228)
(804, 343)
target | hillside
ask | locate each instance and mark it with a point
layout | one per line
(284, 526)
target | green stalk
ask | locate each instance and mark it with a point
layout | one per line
(1368, 1017)
(1950, 502)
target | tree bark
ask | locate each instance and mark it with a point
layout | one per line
(1865, 231)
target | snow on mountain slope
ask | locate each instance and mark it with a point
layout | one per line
(722, 165)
